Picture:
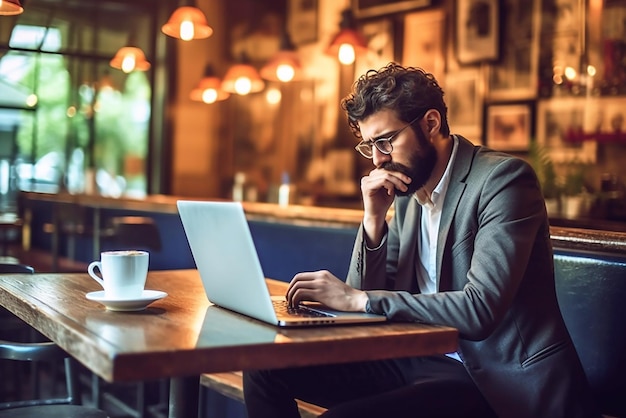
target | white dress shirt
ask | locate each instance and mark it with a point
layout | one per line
(429, 231)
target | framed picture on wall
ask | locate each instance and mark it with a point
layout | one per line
(379, 35)
(372, 8)
(464, 97)
(516, 75)
(509, 126)
(424, 40)
(477, 30)
(302, 21)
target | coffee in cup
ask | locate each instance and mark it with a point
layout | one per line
(123, 273)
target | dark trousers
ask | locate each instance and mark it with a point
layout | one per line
(414, 387)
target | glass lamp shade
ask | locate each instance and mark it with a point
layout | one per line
(130, 58)
(284, 66)
(242, 79)
(209, 90)
(347, 45)
(10, 7)
(187, 23)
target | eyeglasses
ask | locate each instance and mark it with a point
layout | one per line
(366, 148)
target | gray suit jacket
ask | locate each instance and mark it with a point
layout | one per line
(496, 285)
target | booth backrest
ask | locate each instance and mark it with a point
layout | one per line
(287, 249)
(591, 289)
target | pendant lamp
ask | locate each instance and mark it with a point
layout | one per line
(242, 78)
(130, 58)
(187, 23)
(349, 42)
(285, 65)
(209, 89)
(10, 7)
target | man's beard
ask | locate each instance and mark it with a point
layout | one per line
(422, 164)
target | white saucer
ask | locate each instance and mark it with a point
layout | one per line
(134, 304)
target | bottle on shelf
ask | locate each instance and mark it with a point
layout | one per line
(284, 190)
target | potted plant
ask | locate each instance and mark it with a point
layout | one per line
(574, 193)
(540, 160)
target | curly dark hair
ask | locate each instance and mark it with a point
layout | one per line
(408, 91)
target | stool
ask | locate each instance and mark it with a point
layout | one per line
(67, 407)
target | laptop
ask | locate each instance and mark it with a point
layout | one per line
(231, 273)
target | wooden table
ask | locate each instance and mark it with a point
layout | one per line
(183, 335)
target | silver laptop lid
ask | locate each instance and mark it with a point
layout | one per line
(224, 253)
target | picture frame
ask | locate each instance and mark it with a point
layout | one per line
(379, 35)
(567, 17)
(477, 31)
(375, 8)
(423, 43)
(516, 75)
(509, 126)
(302, 20)
(464, 97)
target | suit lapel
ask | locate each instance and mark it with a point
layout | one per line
(460, 170)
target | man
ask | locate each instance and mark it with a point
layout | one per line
(468, 246)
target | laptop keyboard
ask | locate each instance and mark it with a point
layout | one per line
(283, 308)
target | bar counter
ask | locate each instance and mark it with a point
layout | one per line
(563, 237)
(167, 204)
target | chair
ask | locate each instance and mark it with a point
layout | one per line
(70, 221)
(65, 407)
(36, 352)
(10, 228)
(10, 324)
(133, 232)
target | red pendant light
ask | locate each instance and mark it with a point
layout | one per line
(187, 23)
(130, 58)
(209, 89)
(10, 7)
(242, 78)
(285, 65)
(349, 42)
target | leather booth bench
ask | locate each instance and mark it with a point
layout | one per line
(591, 289)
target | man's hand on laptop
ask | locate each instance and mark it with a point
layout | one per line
(322, 286)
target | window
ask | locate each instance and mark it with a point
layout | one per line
(68, 120)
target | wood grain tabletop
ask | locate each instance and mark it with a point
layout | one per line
(183, 334)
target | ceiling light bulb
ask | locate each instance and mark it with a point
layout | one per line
(285, 72)
(128, 63)
(243, 85)
(273, 96)
(187, 30)
(346, 54)
(209, 96)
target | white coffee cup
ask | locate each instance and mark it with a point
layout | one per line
(123, 273)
